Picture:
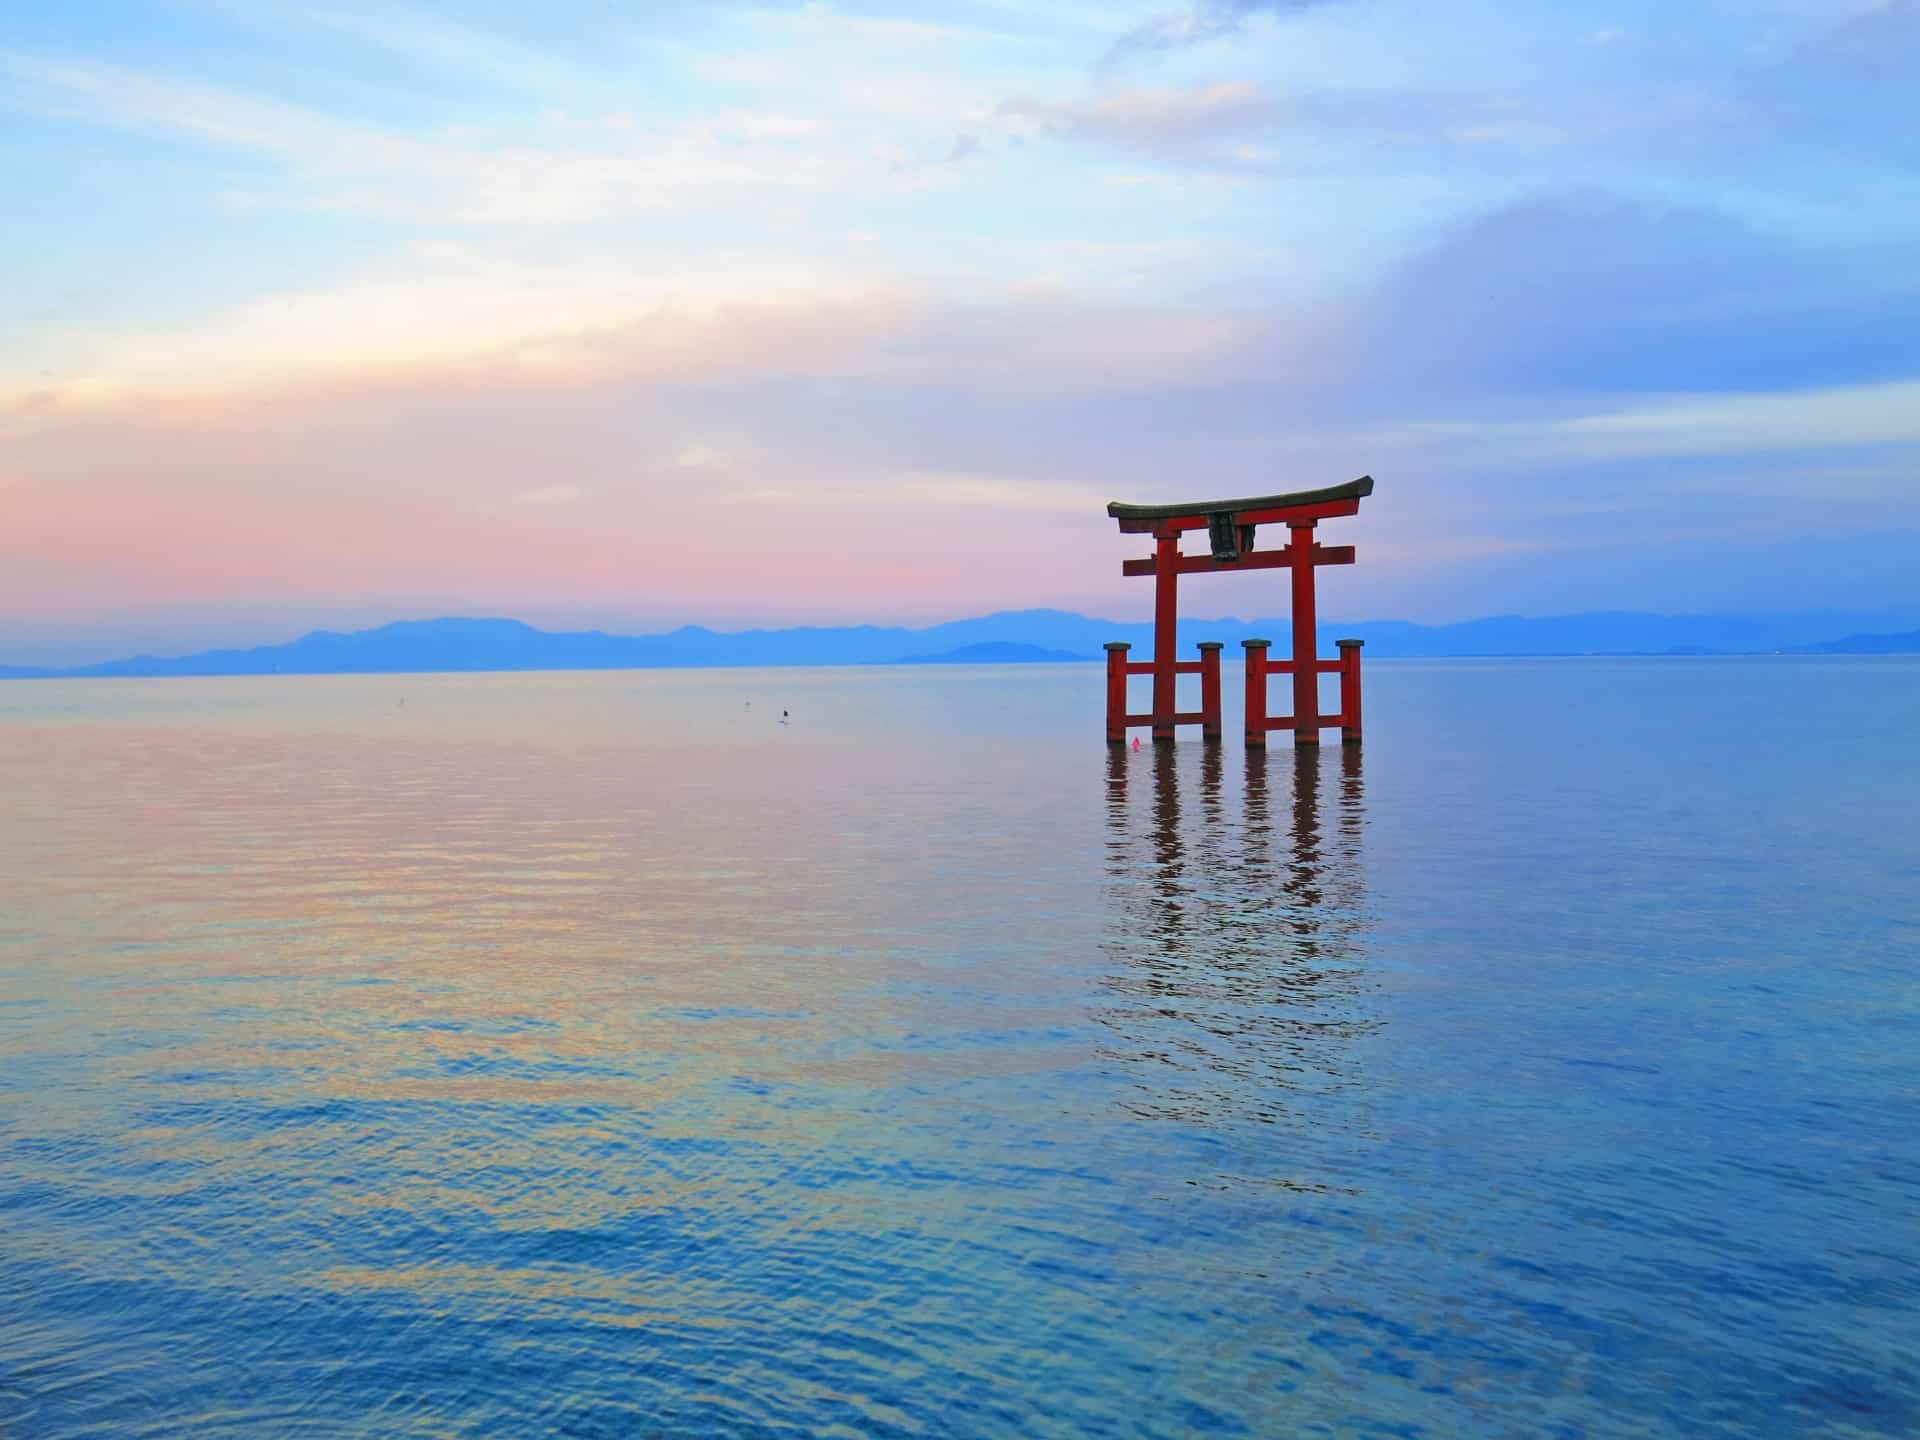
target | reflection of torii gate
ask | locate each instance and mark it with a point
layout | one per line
(1230, 527)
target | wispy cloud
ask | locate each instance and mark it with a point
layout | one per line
(1235, 125)
(119, 97)
(440, 43)
(703, 457)
(1839, 417)
(527, 175)
(466, 318)
(1852, 80)
(939, 490)
(1201, 22)
(548, 495)
(1153, 119)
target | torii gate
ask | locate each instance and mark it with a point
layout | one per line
(1230, 527)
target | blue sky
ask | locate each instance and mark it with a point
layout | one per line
(633, 315)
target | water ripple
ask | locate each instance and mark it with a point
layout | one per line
(584, 1055)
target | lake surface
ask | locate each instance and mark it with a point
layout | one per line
(592, 1055)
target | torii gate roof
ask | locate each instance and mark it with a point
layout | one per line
(1206, 509)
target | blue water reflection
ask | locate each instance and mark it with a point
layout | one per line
(1238, 932)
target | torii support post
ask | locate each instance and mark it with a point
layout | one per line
(1231, 527)
(1256, 691)
(1210, 690)
(1306, 644)
(1349, 690)
(1117, 691)
(1166, 620)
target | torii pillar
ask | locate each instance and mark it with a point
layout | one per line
(1230, 526)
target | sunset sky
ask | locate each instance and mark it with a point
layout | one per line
(633, 315)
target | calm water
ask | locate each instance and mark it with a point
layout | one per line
(591, 1055)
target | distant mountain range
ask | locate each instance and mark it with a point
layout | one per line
(992, 652)
(1907, 642)
(1010, 636)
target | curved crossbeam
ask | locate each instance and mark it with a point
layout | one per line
(1205, 509)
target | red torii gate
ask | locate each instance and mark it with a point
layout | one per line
(1230, 527)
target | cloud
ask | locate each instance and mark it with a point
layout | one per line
(920, 488)
(548, 495)
(559, 177)
(1150, 119)
(442, 44)
(1844, 417)
(1869, 417)
(1550, 297)
(122, 98)
(1231, 126)
(448, 310)
(1601, 294)
(703, 457)
(1201, 22)
(1851, 80)
(480, 323)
